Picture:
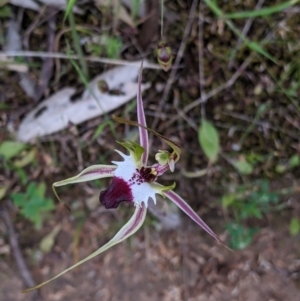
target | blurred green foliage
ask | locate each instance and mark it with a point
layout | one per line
(105, 45)
(295, 226)
(33, 204)
(10, 149)
(240, 236)
(247, 204)
(209, 141)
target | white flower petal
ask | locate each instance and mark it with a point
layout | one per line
(125, 169)
(141, 194)
(129, 172)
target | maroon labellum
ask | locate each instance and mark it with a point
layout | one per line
(117, 192)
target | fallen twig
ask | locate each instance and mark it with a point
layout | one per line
(48, 63)
(43, 54)
(13, 241)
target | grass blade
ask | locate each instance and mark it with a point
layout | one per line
(69, 8)
(77, 45)
(263, 12)
(251, 44)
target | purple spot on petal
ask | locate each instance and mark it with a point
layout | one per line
(118, 191)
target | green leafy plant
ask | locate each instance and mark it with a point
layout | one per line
(10, 149)
(293, 162)
(240, 236)
(33, 204)
(113, 47)
(245, 203)
(263, 12)
(105, 45)
(5, 11)
(243, 167)
(209, 140)
(294, 226)
(136, 4)
(253, 45)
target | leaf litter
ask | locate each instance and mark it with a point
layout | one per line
(59, 110)
(269, 268)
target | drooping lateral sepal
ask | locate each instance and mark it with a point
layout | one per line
(91, 173)
(127, 230)
(187, 209)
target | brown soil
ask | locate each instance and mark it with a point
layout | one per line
(176, 265)
(185, 264)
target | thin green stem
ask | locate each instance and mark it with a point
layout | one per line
(251, 44)
(262, 12)
(77, 46)
(261, 110)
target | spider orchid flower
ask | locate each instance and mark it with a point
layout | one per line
(133, 181)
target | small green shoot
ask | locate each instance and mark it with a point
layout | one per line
(291, 93)
(262, 109)
(69, 8)
(113, 47)
(27, 157)
(240, 237)
(243, 167)
(135, 8)
(77, 46)
(33, 204)
(5, 11)
(245, 203)
(105, 45)
(294, 226)
(293, 162)
(101, 127)
(85, 82)
(3, 190)
(254, 46)
(22, 175)
(209, 140)
(262, 12)
(10, 149)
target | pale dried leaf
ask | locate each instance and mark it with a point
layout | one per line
(13, 39)
(12, 43)
(7, 63)
(27, 84)
(61, 4)
(30, 4)
(120, 12)
(58, 111)
(47, 242)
